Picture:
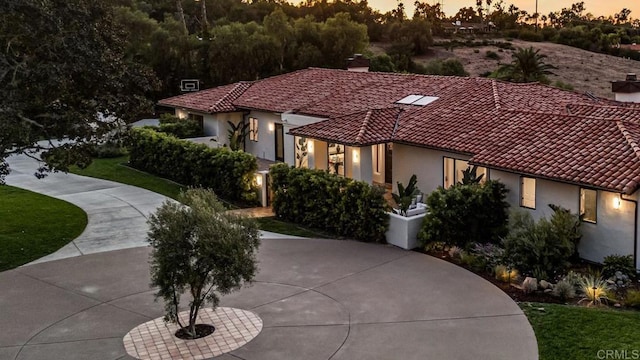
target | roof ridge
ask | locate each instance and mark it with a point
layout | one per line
(228, 94)
(632, 186)
(363, 127)
(627, 136)
(496, 95)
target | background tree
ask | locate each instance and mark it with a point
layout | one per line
(199, 247)
(64, 73)
(527, 66)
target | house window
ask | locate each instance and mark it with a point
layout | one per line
(528, 192)
(302, 152)
(379, 157)
(197, 118)
(454, 171)
(336, 159)
(588, 205)
(253, 129)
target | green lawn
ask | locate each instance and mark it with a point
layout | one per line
(34, 225)
(282, 227)
(114, 169)
(579, 333)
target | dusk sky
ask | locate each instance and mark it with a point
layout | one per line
(596, 7)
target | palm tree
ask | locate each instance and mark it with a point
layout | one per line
(528, 65)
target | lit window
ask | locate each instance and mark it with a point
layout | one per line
(588, 205)
(253, 129)
(528, 192)
(336, 159)
(454, 171)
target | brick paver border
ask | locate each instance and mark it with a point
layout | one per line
(155, 340)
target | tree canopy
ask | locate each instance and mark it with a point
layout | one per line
(64, 76)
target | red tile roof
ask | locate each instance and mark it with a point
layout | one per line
(527, 128)
(215, 100)
(357, 129)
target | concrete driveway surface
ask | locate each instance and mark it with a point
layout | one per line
(318, 299)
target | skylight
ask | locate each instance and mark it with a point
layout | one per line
(418, 100)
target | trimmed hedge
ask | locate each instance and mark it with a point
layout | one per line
(228, 173)
(463, 215)
(321, 200)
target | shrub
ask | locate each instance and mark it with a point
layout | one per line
(449, 67)
(545, 246)
(633, 299)
(466, 214)
(528, 35)
(492, 55)
(321, 200)
(109, 149)
(180, 128)
(228, 173)
(623, 264)
(564, 290)
(491, 253)
(505, 274)
(562, 85)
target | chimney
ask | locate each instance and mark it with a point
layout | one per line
(627, 90)
(358, 63)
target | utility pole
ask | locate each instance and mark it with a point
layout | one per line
(537, 15)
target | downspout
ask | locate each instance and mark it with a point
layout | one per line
(635, 230)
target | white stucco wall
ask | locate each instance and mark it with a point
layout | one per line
(291, 121)
(613, 233)
(265, 147)
(427, 164)
(633, 97)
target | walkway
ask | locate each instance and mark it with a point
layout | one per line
(318, 299)
(117, 213)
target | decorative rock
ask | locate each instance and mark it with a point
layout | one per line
(544, 284)
(617, 305)
(530, 285)
(547, 291)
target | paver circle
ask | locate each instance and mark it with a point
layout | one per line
(155, 339)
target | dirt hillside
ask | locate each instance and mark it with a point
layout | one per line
(584, 70)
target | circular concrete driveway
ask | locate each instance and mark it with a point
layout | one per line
(318, 299)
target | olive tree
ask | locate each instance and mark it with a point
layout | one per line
(199, 248)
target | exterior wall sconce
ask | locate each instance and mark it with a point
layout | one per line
(310, 146)
(271, 127)
(356, 155)
(258, 179)
(617, 202)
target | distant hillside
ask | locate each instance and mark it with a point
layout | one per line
(584, 70)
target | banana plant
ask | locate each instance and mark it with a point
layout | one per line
(406, 194)
(236, 134)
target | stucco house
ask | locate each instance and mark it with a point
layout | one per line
(549, 146)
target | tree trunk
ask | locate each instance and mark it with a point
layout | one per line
(205, 21)
(181, 16)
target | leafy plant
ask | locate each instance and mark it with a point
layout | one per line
(405, 196)
(621, 263)
(236, 134)
(505, 273)
(470, 176)
(594, 290)
(199, 248)
(228, 173)
(337, 205)
(463, 215)
(180, 128)
(564, 289)
(528, 65)
(543, 247)
(492, 55)
(633, 299)
(302, 151)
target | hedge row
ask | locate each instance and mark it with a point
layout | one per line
(228, 173)
(321, 200)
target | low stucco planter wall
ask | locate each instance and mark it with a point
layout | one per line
(403, 231)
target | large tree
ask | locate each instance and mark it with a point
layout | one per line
(63, 76)
(200, 248)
